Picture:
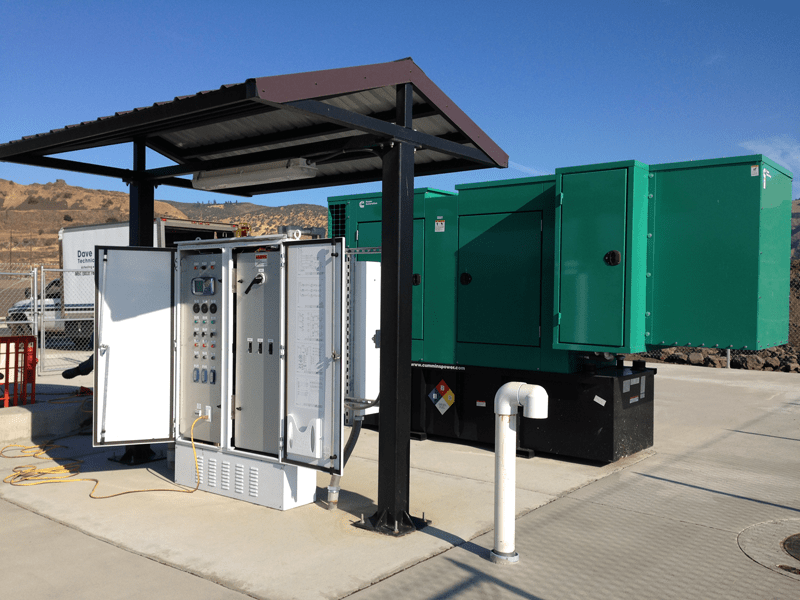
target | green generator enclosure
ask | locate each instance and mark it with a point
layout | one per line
(505, 283)
(551, 279)
(599, 266)
(719, 253)
(543, 273)
(357, 218)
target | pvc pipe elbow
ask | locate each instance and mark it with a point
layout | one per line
(532, 398)
(535, 402)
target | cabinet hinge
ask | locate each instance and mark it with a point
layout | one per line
(557, 320)
(559, 198)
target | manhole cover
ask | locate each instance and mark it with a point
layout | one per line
(792, 545)
(774, 545)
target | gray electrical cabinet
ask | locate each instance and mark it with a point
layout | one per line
(258, 359)
(234, 350)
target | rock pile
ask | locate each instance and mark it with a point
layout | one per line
(783, 358)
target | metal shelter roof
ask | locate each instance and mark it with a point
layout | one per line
(340, 119)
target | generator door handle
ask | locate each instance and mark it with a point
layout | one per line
(466, 278)
(613, 258)
(416, 279)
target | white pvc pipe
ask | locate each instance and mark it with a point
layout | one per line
(505, 435)
(507, 401)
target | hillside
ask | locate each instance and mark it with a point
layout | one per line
(31, 216)
(262, 219)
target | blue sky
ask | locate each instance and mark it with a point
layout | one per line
(555, 84)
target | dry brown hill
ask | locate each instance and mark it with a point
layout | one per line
(261, 219)
(31, 216)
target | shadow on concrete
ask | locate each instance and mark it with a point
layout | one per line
(705, 489)
(349, 502)
(777, 437)
(477, 577)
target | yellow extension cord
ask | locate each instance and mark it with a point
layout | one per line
(25, 475)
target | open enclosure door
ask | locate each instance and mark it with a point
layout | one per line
(314, 354)
(133, 346)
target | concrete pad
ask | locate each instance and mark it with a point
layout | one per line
(60, 562)
(660, 524)
(571, 549)
(57, 411)
(667, 527)
(308, 552)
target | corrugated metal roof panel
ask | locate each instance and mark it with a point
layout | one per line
(251, 117)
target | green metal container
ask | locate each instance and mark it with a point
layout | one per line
(505, 283)
(600, 257)
(357, 218)
(719, 255)
(539, 273)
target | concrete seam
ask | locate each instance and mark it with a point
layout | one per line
(130, 550)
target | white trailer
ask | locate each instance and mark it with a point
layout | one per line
(77, 261)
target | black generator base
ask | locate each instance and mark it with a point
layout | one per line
(601, 416)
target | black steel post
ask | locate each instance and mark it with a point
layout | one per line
(142, 201)
(396, 269)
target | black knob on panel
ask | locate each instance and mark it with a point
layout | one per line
(613, 258)
(416, 279)
(466, 278)
(196, 308)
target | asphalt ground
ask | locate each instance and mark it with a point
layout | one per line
(700, 515)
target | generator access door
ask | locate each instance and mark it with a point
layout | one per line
(133, 346)
(315, 354)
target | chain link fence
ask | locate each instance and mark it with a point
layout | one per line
(67, 321)
(784, 358)
(17, 307)
(32, 303)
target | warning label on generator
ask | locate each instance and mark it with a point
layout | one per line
(442, 397)
(438, 226)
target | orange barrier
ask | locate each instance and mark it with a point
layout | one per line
(18, 370)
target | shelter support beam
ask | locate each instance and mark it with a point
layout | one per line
(396, 132)
(142, 201)
(396, 265)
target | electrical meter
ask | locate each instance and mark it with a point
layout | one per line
(203, 286)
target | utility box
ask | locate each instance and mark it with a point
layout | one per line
(357, 218)
(232, 349)
(600, 257)
(719, 255)
(505, 282)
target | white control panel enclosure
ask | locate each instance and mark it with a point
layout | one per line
(145, 352)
